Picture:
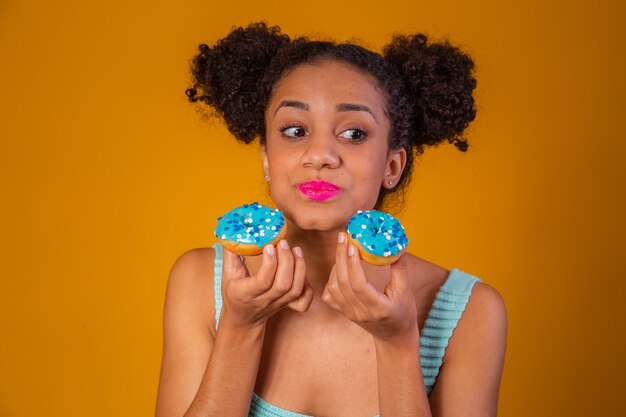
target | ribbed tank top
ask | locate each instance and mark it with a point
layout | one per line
(441, 321)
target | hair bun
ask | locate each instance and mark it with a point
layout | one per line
(226, 76)
(440, 83)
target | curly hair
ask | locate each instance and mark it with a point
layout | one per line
(426, 87)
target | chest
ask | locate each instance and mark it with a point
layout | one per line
(318, 370)
(319, 367)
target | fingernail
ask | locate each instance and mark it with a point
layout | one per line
(298, 251)
(269, 250)
(283, 244)
(342, 237)
(351, 250)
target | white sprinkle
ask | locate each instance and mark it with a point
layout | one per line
(273, 213)
(399, 246)
(388, 237)
(224, 236)
(239, 236)
(268, 220)
(273, 227)
(363, 226)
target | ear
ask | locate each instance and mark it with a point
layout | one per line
(396, 161)
(266, 166)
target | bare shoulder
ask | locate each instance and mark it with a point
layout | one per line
(487, 301)
(190, 286)
(188, 330)
(482, 328)
(193, 263)
(485, 316)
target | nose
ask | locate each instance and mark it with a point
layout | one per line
(321, 152)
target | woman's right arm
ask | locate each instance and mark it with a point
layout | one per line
(205, 372)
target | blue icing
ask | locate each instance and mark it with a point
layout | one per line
(250, 224)
(379, 233)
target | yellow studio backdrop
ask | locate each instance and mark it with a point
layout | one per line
(107, 175)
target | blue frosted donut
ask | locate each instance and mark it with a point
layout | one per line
(379, 236)
(247, 229)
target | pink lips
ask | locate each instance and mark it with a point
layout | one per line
(319, 190)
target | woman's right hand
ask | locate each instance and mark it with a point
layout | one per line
(251, 300)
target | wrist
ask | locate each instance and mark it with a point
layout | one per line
(408, 341)
(231, 324)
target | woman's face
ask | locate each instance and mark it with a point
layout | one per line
(326, 152)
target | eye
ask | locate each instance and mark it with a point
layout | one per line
(293, 131)
(354, 135)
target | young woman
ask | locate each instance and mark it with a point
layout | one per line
(307, 328)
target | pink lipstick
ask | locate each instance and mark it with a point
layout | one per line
(319, 190)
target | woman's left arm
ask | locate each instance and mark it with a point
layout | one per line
(401, 390)
(469, 378)
(390, 317)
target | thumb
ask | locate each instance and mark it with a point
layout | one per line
(233, 266)
(303, 302)
(399, 277)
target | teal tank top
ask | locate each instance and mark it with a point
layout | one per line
(442, 319)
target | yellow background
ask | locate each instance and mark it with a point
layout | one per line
(107, 175)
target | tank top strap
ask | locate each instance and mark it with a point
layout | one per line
(442, 319)
(217, 281)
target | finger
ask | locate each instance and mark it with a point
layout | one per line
(302, 303)
(331, 295)
(299, 272)
(399, 282)
(330, 301)
(265, 276)
(284, 272)
(232, 265)
(353, 304)
(362, 290)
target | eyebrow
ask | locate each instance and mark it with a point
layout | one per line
(343, 107)
(292, 103)
(355, 107)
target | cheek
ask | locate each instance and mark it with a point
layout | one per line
(280, 162)
(371, 169)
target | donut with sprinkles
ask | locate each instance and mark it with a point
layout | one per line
(379, 236)
(245, 230)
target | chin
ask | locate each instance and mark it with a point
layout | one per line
(317, 223)
(327, 219)
(319, 216)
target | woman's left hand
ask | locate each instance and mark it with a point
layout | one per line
(388, 316)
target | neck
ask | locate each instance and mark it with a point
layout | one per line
(319, 248)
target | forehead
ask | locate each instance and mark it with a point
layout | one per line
(328, 81)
